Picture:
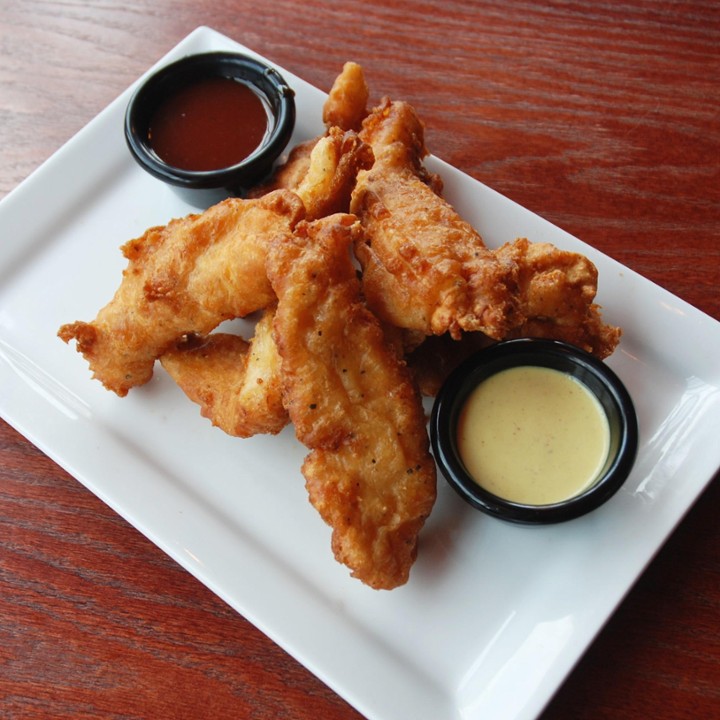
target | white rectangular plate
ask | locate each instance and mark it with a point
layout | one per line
(494, 615)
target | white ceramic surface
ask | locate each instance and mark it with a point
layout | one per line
(494, 615)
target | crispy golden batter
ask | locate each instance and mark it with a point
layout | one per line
(556, 292)
(322, 172)
(369, 473)
(290, 174)
(236, 383)
(334, 164)
(424, 268)
(185, 277)
(346, 105)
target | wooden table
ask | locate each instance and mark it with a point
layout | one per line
(604, 118)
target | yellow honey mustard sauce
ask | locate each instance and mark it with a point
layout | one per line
(533, 435)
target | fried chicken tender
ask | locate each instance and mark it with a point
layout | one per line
(332, 171)
(556, 295)
(185, 277)
(322, 172)
(369, 474)
(424, 268)
(236, 382)
(346, 104)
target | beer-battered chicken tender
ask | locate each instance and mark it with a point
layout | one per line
(334, 163)
(236, 382)
(185, 277)
(322, 173)
(556, 294)
(323, 170)
(424, 268)
(347, 101)
(369, 473)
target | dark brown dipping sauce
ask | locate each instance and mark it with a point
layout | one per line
(208, 125)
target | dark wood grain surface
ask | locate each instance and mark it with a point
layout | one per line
(602, 117)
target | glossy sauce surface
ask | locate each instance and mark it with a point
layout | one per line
(208, 125)
(533, 435)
